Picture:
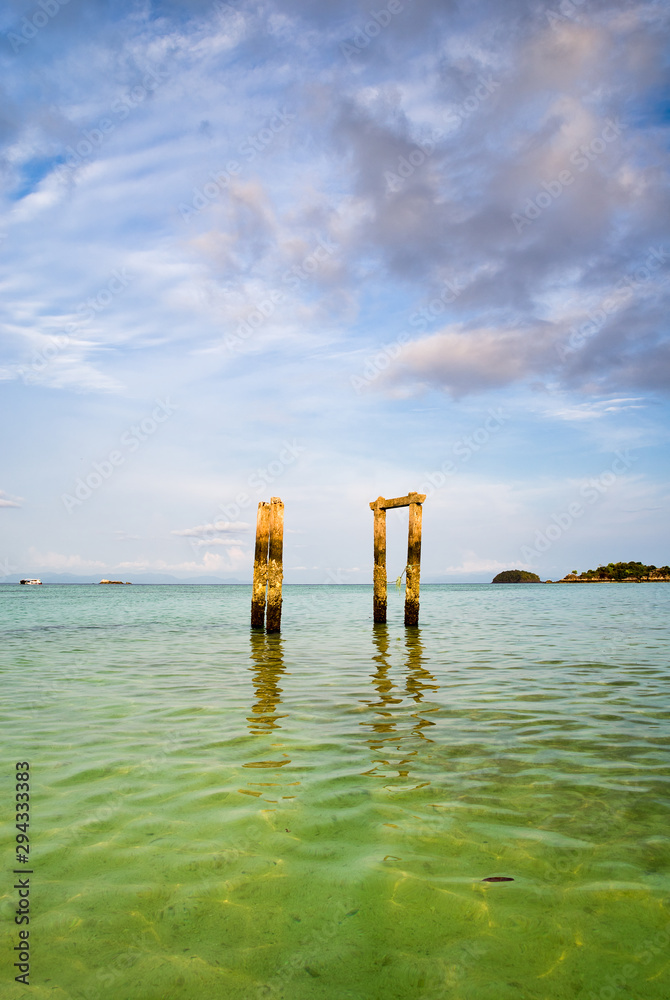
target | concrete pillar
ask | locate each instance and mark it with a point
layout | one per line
(413, 561)
(275, 567)
(379, 595)
(260, 565)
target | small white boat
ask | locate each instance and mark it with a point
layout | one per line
(31, 582)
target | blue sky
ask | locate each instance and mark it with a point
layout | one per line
(327, 252)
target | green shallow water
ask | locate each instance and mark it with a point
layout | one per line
(219, 814)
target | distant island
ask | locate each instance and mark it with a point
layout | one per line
(630, 572)
(516, 576)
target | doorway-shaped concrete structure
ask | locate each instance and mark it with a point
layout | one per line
(413, 569)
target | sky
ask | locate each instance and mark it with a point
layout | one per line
(330, 252)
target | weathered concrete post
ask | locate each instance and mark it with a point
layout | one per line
(379, 596)
(260, 565)
(413, 560)
(275, 567)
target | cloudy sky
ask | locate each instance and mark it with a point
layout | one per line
(329, 251)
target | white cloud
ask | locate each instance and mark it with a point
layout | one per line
(208, 531)
(472, 564)
(58, 562)
(469, 360)
(7, 501)
(208, 542)
(234, 560)
(595, 410)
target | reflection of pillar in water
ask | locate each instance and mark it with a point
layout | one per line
(418, 678)
(383, 682)
(267, 655)
(385, 737)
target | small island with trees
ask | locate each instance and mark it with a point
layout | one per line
(516, 576)
(621, 572)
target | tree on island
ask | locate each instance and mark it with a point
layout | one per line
(516, 576)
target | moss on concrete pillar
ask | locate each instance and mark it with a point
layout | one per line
(275, 565)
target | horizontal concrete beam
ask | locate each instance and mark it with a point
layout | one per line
(381, 504)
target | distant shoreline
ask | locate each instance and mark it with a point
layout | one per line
(644, 579)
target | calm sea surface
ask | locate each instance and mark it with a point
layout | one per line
(219, 814)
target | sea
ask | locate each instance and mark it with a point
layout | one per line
(476, 808)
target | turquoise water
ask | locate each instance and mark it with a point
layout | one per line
(219, 814)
